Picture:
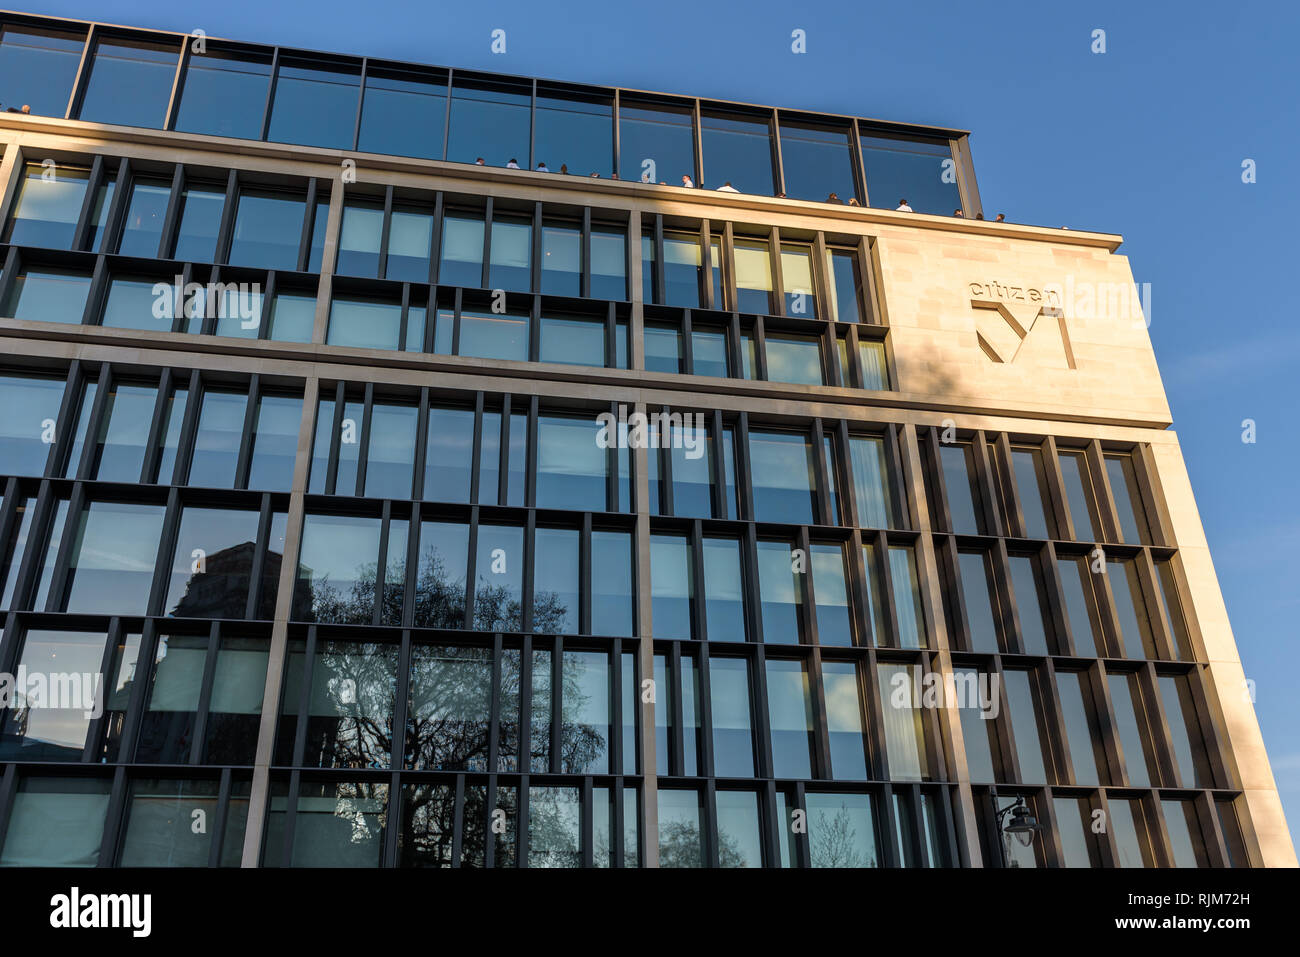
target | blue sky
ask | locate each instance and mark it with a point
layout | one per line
(1146, 140)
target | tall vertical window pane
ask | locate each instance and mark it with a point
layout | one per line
(1073, 824)
(1139, 757)
(449, 709)
(585, 713)
(671, 586)
(448, 453)
(740, 836)
(200, 221)
(275, 442)
(1132, 839)
(872, 485)
(844, 721)
(1191, 762)
(1084, 737)
(733, 739)
(790, 719)
(510, 265)
(440, 576)
(1183, 826)
(907, 597)
(224, 94)
(1031, 483)
(130, 83)
(1130, 607)
(1078, 494)
(554, 827)
(903, 718)
(462, 251)
(957, 462)
(410, 238)
(216, 443)
(359, 239)
(498, 568)
(753, 267)
(977, 594)
(608, 264)
(683, 270)
(142, 231)
(561, 260)
(555, 581)
(830, 587)
(1074, 581)
(613, 604)
(875, 368)
(32, 406)
(979, 702)
(1024, 580)
(846, 285)
(1024, 721)
(1128, 499)
(781, 592)
(724, 604)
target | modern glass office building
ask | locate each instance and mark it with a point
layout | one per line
(327, 537)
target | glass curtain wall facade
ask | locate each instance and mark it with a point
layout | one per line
(337, 512)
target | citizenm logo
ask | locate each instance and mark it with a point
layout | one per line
(1021, 320)
(74, 909)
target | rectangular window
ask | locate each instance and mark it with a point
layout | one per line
(110, 569)
(1129, 827)
(830, 587)
(709, 353)
(448, 454)
(613, 604)
(363, 324)
(440, 575)
(1131, 608)
(498, 570)
(130, 83)
(1073, 826)
(336, 569)
(489, 335)
(978, 593)
(608, 264)
(268, 229)
(48, 206)
(737, 150)
(907, 597)
(979, 702)
(575, 341)
(680, 841)
(224, 94)
(796, 276)
(490, 120)
(733, 738)
(462, 250)
(1133, 525)
(790, 719)
(449, 709)
(724, 590)
(359, 239)
(1191, 763)
(200, 222)
(146, 209)
(1025, 724)
(1130, 722)
(957, 461)
(841, 830)
(904, 721)
(656, 142)
(753, 264)
(796, 359)
(846, 285)
(572, 468)
(575, 129)
(1024, 581)
(510, 263)
(51, 733)
(740, 836)
(1078, 494)
(1031, 483)
(1087, 753)
(56, 822)
(910, 170)
(38, 68)
(1077, 584)
(403, 114)
(781, 593)
(663, 348)
(683, 270)
(215, 550)
(875, 370)
(784, 477)
(815, 161)
(315, 105)
(672, 587)
(872, 482)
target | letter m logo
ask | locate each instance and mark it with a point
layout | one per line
(1032, 332)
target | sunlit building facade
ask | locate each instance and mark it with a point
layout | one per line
(363, 505)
